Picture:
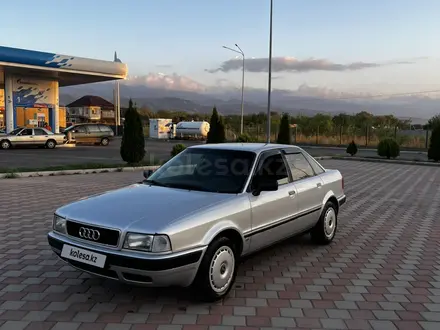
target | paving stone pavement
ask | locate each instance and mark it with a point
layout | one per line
(382, 272)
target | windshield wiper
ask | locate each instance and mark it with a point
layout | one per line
(156, 183)
(189, 186)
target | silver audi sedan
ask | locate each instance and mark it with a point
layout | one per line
(190, 221)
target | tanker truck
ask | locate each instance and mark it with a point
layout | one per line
(192, 130)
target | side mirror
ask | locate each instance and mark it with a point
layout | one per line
(147, 173)
(264, 184)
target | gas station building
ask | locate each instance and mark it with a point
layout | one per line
(30, 82)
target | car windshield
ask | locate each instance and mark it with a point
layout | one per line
(15, 131)
(202, 169)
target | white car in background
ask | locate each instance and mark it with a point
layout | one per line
(37, 136)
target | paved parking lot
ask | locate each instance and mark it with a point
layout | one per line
(382, 272)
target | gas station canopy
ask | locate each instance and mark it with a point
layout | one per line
(31, 79)
(67, 70)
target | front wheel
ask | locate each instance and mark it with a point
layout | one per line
(217, 271)
(51, 144)
(105, 142)
(5, 144)
(325, 230)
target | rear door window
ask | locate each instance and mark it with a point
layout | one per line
(299, 166)
(93, 129)
(315, 165)
(104, 128)
(39, 131)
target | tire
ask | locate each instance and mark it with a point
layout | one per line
(50, 144)
(325, 230)
(105, 142)
(220, 259)
(5, 144)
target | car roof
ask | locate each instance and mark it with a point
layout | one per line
(252, 147)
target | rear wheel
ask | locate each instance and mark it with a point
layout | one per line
(50, 144)
(217, 271)
(5, 144)
(105, 142)
(325, 230)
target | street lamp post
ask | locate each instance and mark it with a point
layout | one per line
(240, 51)
(270, 75)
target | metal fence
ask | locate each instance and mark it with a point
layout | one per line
(369, 137)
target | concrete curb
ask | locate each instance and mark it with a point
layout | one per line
(73, 172)
(419, 152)
(387, 161)
(154, 167)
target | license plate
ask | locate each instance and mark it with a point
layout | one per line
(84, 256)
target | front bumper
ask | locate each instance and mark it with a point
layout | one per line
(135, 267)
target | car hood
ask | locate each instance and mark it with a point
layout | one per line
(140, 206)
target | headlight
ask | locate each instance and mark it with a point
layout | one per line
(147, 243)
(59, 224)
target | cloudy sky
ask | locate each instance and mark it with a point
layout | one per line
(351, 46)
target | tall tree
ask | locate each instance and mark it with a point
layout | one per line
(341, 120)
(434, 142)
(216, 132)
(433, 122)
(363, 119)
(284, 136)
(133, 141)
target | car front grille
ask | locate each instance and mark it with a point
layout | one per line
(106, 236)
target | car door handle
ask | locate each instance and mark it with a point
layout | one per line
(319, 185)
(292, 193)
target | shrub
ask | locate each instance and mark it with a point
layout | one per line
(352, 148)
(244, 138)
(284, 136)
(177, 149)
(133, 141)
(434, 144)
(216, 132)
(388, 148)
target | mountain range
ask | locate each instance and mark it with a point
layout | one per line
(175, 92)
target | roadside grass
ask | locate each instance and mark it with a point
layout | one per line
(11, 174)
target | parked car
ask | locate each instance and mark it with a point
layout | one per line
(2, 130)
(90, 133)
(191, 220)
(38, 137)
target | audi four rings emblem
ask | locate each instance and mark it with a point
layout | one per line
(87, 233)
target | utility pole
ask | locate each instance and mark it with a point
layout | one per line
(240, 51)
(269, 87)
(117, 101)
